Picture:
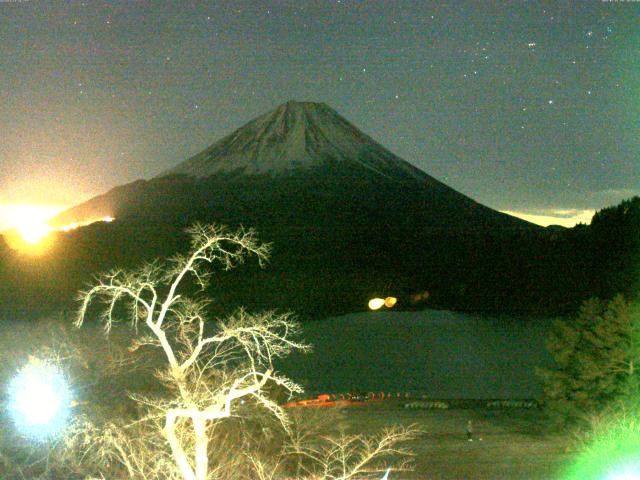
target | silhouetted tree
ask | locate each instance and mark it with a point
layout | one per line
(597, 358)
(615, 249)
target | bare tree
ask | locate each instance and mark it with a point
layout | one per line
(213, 372)
(210, 369)
(348, 457)
(342, 457)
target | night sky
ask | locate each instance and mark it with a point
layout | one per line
(531, 107)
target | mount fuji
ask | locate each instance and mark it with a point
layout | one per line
(312, 145)
(295, 137)
(348, 220)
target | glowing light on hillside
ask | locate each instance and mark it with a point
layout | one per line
(71, 226)
(15, 215)
(34, 239)
(419, 297)
(40, 400)
(27, 229)
(33, 232)
(32, 235)
(376, 303)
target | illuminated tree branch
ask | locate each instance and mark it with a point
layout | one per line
(209, 374)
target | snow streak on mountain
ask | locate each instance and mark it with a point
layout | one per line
(295, 137)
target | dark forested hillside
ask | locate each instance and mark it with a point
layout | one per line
(330, 257)
(348, 220)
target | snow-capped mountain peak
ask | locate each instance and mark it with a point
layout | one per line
(294, 137)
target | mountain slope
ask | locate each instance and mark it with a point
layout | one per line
(299, 144)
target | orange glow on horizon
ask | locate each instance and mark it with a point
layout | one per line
(32, 239)
(33, 233)
(29, 231)
(26, 226)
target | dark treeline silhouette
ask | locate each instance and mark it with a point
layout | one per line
(337, 245)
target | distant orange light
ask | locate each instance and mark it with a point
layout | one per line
(33, 239)
(378, 303)
(26, 226)
(390, 301)
(71, 226)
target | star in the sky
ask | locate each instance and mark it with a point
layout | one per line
(541, 63)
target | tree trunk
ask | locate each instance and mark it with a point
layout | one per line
(176, 449)
(202, 459)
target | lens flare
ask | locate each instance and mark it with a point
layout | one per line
(626, 472)
(613, 455)
(40, 400)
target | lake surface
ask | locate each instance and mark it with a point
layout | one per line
(440, 354)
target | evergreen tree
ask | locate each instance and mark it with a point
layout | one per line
(597, 358)
(615, 250)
